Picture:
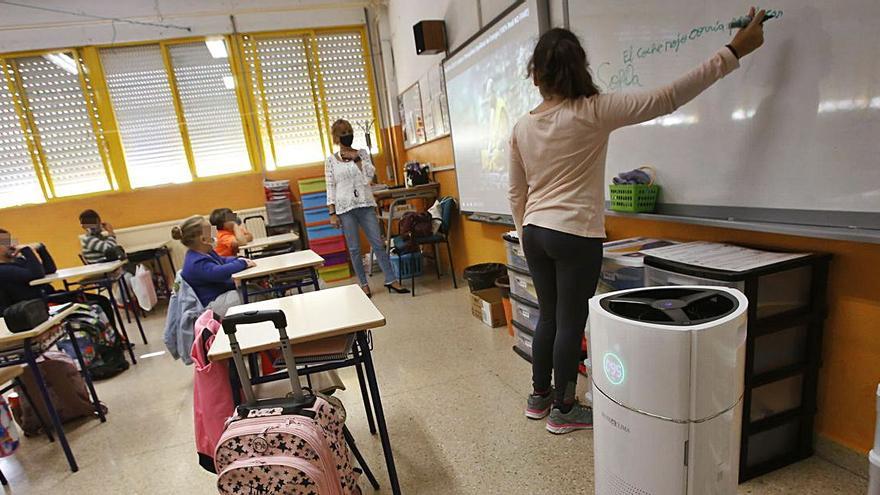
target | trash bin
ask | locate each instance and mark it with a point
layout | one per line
(483, 276)
(503, 283)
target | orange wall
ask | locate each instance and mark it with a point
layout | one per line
(851, 350)
(56, 224)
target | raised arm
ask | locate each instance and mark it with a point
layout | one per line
(22, 273)
(615, 110)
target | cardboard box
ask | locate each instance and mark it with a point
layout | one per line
(486, 306)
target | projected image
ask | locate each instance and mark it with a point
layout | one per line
(488, 92)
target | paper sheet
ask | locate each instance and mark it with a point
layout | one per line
(721, 256)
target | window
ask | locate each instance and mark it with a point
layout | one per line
(18, 178)
(209, 106)
(342, 64)
(144, 109)
(60, 110)
(282, 84)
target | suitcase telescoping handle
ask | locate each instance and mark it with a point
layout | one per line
(276, 316)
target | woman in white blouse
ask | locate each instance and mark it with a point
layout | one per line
(349, 173)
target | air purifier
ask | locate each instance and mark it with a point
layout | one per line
(667, 390)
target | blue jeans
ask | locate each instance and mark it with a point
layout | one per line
(366, 219)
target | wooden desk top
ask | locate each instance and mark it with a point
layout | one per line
(271, 241)
(79, 272)
(280, 263)
(10, 340)
(311, 316)
(147, 246)
(431, 187)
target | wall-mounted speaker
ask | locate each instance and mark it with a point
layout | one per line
(430, 37)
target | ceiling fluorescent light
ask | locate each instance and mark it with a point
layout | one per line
(62, 60)
(217, 47)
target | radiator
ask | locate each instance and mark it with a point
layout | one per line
(161, 231)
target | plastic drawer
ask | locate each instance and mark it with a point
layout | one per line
(335, 258)
(317, 216)
(323, 232)
(334, 273)
(776, 397)
(312, 185)
(773, 443)
(524, 313)
(777, 292)
(522, 285)
(279, 212)
(515, 255)
(523, 340)
(617, 276)
(328, 245)
(780, 349)
(314, 200)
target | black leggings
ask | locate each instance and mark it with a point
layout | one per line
(565, 269)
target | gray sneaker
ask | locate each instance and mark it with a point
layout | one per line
(579, 418)
(538, 407)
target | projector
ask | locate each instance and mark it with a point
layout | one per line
(667, 390)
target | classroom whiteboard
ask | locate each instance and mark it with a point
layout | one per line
(797, 127)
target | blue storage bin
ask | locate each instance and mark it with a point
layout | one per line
(314, 200)
(318, 215)
(322, 232)
(407, 265)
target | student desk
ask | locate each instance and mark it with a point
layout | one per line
(153, 251)
(26, 347)
(399, 196)
(298, 261)
(311, 317)
(100, 275)
(267, 242)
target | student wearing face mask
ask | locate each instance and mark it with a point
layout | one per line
(231, 234)
(208, 273)
(349, 173)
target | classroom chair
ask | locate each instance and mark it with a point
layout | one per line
(447, 208)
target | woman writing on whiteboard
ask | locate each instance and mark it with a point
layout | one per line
(557, 173)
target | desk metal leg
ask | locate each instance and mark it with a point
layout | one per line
(314, 273)
(366, 395)
(349, 439)
(121, 326)
(244, 292)
(171, 262)
(364, 347)
(31, 360)
(136, 309)
(87, 375)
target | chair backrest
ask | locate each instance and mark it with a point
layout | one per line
(447, 208)
(256, 225)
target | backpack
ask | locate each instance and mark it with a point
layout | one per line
(103, 353)
(66, 388)
(413, 225)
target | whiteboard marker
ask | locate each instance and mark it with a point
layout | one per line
(744, 21)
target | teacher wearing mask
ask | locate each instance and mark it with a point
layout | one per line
(557, 176)
(349, 173)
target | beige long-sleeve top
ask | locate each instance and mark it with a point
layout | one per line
(557, 156)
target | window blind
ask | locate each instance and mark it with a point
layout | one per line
(341, 60)
(58, 108)
(18, 180)
(283, 92)
(144, 109)
(210, 109)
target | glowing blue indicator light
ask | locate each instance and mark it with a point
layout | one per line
(613, 367)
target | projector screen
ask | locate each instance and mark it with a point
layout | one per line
(488, 91)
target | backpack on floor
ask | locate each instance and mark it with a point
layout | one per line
(292, 445)
(413, 225)
(66, 388)
(103, 353)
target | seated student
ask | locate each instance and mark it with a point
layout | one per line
(21, 263)
(98, 244)
(209, 274)
(231, 234)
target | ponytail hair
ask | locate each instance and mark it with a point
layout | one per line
(559, 66)
(189, 232)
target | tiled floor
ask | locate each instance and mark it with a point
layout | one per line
(453, 393)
